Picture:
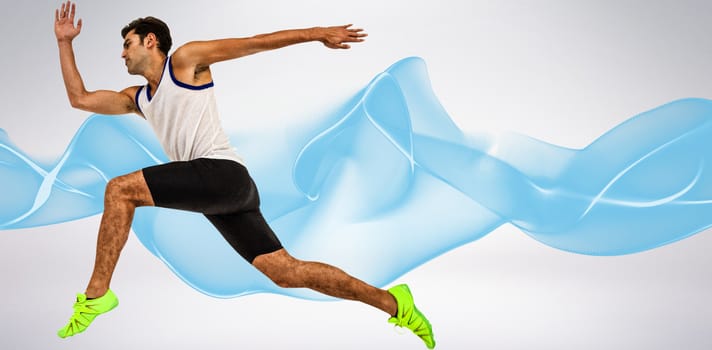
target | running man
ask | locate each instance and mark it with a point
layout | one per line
(205, 173)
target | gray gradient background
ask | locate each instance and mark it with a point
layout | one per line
(561, 71)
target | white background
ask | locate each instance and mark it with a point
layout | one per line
(561, 71)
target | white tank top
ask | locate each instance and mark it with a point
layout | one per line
(185, 119)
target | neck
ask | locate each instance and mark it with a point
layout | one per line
(154, 72)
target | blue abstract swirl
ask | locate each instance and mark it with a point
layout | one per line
(389, 182)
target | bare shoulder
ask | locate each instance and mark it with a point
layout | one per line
(131, 91)
(184, 56)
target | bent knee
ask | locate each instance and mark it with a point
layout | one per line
(129, 188)
(281, 268)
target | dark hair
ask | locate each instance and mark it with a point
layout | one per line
(143, 26)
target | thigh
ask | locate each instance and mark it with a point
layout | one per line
(247, 232)
(208, 186)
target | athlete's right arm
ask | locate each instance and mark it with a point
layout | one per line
(101, 101)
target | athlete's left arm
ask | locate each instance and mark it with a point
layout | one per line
(201, 54)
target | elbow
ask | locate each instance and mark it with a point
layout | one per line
(77, 101)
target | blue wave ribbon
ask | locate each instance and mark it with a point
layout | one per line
(389, 182)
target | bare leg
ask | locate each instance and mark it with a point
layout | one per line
(123, 195)
(288, 272)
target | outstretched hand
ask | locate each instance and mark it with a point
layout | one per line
(64, 28)
(337, 37)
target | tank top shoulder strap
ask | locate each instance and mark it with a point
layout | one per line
(137, 99)
(182, 84)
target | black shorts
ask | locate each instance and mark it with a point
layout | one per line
(224, 192)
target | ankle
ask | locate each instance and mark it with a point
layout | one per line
(93, 293)
(391, 305)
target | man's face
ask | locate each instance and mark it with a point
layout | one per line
(134, 53)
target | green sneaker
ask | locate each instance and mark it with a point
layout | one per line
(410, 317)
(86, 310)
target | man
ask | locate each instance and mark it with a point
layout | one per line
(205, 174)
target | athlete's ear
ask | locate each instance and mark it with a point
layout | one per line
(150, 40)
